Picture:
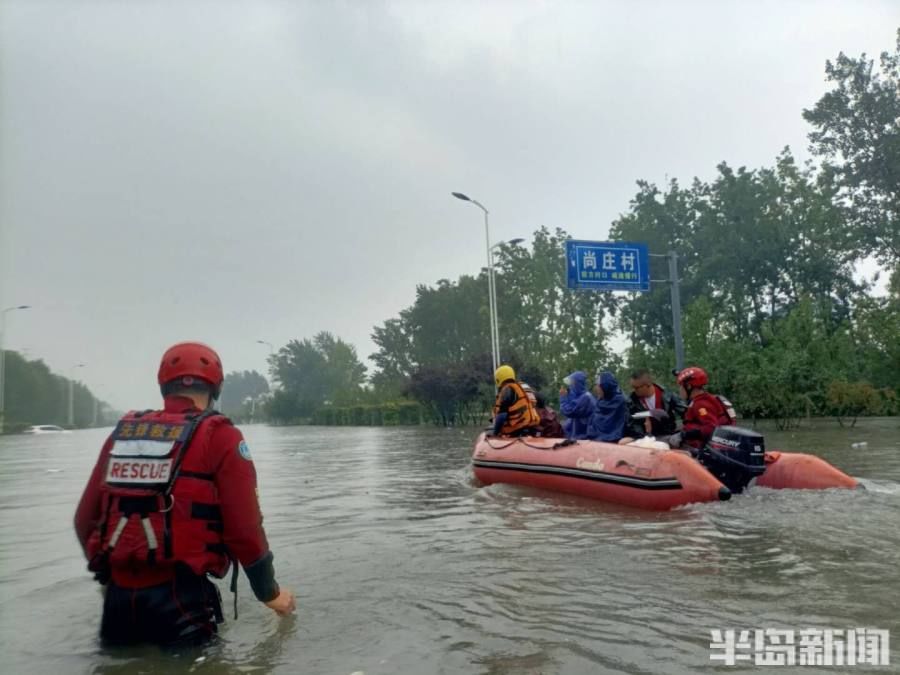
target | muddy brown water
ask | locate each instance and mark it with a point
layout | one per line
(401, 564)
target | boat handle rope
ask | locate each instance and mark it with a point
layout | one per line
(562, 444)
(500, 447)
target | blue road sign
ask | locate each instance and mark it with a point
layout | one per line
(607, 266)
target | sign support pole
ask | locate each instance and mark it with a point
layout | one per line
(623, 266)
(675, 291)
(676, 310)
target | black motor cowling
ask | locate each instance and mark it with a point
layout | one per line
(735, 456)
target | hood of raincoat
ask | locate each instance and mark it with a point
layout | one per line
(609, 385)
(578, 381)
(608, 422)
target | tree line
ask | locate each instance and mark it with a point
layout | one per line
(36, 395)
(773, 306)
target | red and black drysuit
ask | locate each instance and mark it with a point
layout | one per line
(704, 413)
(172, 499)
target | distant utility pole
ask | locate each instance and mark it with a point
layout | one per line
(72, 394)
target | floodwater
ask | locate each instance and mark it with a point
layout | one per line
(401, 564)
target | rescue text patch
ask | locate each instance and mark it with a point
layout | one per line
(138, 471)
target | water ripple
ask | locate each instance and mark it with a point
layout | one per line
(402, 563)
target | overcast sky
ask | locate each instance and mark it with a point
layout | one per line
(235, 171)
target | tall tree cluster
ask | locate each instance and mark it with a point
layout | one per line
(310, 373)
(36, 395)
(242, 392)
(768, 258)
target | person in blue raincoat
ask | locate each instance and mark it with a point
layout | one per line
(576, 403)
(610, 411)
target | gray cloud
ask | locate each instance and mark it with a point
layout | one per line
(234, 171)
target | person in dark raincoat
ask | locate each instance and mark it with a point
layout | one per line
(610, 411)
(550, 426)
(576, 404)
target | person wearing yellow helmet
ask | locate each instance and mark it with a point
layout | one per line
(514, 411)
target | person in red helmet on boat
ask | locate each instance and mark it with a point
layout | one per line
(514, 410)
(172, 500)
(705, 411)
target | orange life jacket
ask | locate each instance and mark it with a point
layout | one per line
(529, 392)
(521, 414)
(159, 501)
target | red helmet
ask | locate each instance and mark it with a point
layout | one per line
(188, 360)
(692, 377)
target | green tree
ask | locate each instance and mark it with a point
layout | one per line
(394, 359)
(857, 132)
(453, 393)
(311, 373)
(544, 324)
(751, 243)
(876, 330)
(852, 399)
(449, 322)
(767, 264)
(238, 386)
(35, 395)
(546, 330)
(665, 221)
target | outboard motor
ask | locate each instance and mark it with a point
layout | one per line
(735, 456)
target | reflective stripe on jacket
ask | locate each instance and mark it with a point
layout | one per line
(159, 502)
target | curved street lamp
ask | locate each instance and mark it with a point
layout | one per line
(492, 298)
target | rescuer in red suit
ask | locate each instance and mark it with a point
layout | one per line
(705, 411)
(171, 501)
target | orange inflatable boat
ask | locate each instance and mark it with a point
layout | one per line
(647, 474)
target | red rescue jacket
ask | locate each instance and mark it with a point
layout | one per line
(171, 486)
(705, 413)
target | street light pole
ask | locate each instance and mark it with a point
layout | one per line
(3, 362)
(98, 408)
(72, 395)
(676, 309)
(492, 298)
(495, 336)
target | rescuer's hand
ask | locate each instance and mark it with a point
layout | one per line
(283, 603)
